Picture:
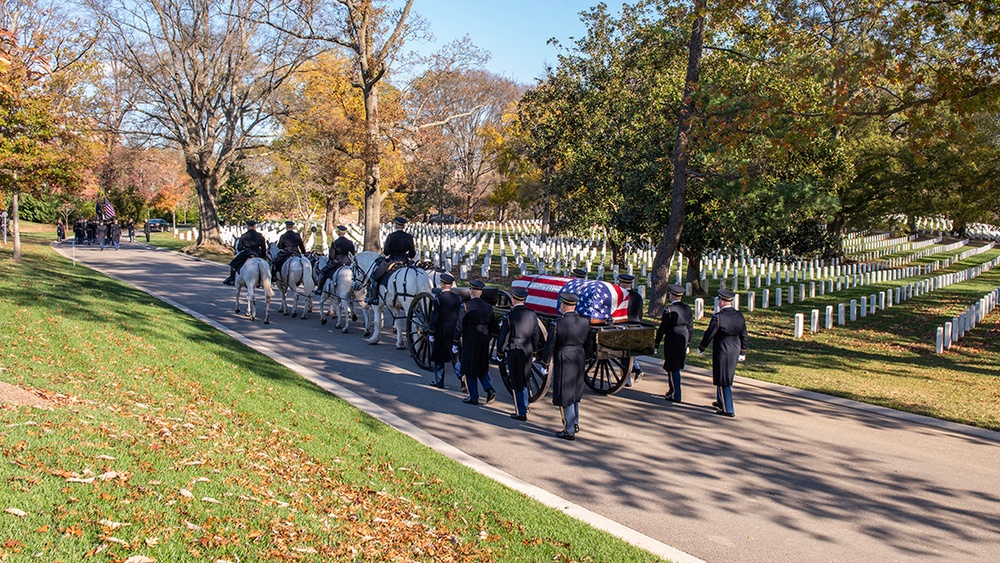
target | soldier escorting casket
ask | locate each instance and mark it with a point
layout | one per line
(520, 337)
(727, 333)
(634, 316)
(472, 335)
(676, 330)
(444, 312)
(564, 347)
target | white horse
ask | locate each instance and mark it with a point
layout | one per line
(297, 270)
(256, 271)
(339, 290)
(396, 295)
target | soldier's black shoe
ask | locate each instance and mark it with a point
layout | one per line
(576, 428)
(469, 401)
(491, 396)
(565, 436)
(516, 416)
(717, 405)
(724, 413)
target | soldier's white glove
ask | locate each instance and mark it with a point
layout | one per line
(687, 350)
(454, 349)
(700, 353)
(544, 370)
(430, 337)
(742, 358)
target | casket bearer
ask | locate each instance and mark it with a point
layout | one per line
(472, 332)
(520, 338)
(634, 316)
(444, 312)
(676, 329)
(727, 333)
(579, 273)
(564, 347)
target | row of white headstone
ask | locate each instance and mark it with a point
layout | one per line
(955, 329)
(883, 299)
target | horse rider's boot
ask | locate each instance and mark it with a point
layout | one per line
(372, 297)
(231, 280)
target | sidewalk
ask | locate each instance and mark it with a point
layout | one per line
(797, 476)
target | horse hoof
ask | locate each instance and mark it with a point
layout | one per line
(322, 322)
(401, 347)
(370, 343)
(267, 322)
(354, 318)
(295, 314)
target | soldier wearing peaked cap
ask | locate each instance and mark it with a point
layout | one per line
(564, 347)
(634, 316)
(473, 331)
(250, 245)
(289, 244)
(399, 247)
(676, 330)
(579, 273)
(341, 251)
(520, 338)
(443, 315)
(727, 333)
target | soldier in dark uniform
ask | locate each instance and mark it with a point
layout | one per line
(579, 273)
(520, 337)
(398, 247)
(565, 347)
(634, 316)
(341, 250)
(727, 333)
(676, 330)
(289, 244)
(472, 336)
(250, 245)
(444, 313)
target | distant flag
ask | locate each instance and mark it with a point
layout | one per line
(109, 210)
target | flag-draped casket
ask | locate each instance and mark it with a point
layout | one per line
(599, 300)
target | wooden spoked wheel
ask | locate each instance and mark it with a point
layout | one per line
(607, 376)
(418, 325)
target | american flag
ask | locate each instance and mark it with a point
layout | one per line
(598, 299)
(109, 210)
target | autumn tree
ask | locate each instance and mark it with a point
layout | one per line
(209, 72)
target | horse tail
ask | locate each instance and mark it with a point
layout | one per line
(308, 283)
(264, 271)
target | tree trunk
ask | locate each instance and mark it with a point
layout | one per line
(331, 214)
(17, 226)
(694, 273)
(206, 184)
(678, 198)
(373, 173)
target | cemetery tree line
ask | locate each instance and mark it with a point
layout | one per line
(755, 123)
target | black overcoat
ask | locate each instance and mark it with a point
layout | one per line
(634, 306)
(727, 333)
(676, 330)
(341, 250)
(444, 313)
(472, 332)
(399, 246)
(520, 337)
(564, 346)
(252, 242)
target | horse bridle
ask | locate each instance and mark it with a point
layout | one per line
(358, 275)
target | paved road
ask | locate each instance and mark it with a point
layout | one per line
(796, 476)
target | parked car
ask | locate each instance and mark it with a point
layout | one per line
(158, 225)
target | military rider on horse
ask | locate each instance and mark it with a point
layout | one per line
(341, 250)
(399, 248)
(250, 245)
(289, 244)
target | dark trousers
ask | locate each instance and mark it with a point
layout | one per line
(675, 386)
(473, 383)
(724, 395)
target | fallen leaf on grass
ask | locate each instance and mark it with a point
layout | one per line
(152, 542)
(192, 527)
(139, 559)
(186, 493)
(304, 549)
(108, 475)
(86, 481)
(106, 457)
(97, 550)
(211, 500)
(113, 539)
(16, 512)
(113, 525)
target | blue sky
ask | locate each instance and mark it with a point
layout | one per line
(515, 32)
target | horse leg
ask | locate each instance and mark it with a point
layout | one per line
(400, 323)
(251, 304)
(239, 289)
(295, 304)
(284, 291)
(376, 324)
(267, 308)
(344, 307)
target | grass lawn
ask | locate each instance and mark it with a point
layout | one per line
(166, 439)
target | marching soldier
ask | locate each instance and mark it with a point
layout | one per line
(634, 316)
(520, 337)
(444, 312)
(289, 244)
(676, 330)
(472, 334)
(250, 245)
(727, 333)
(564, 346)
(341, 250)
(398, 247)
